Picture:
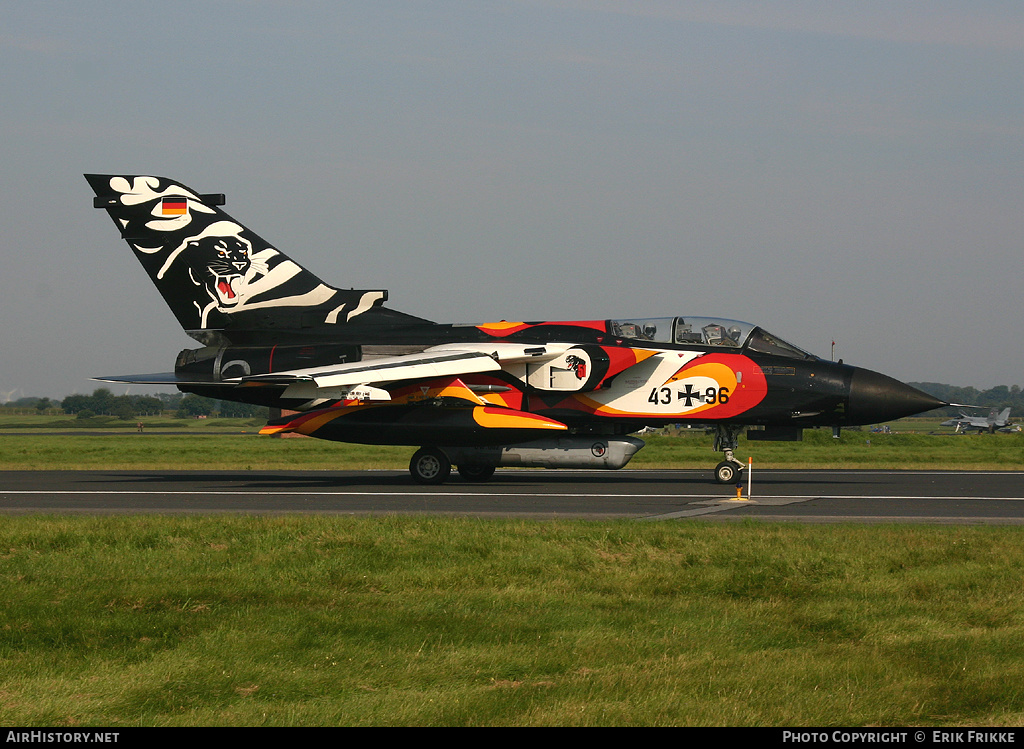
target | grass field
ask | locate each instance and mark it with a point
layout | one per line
(235, 444)
(388, 621)
(128, 621)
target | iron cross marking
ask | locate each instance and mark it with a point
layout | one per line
(690, 395)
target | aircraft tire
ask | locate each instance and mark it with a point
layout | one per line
(476, 473)
(726, 472)
(430, 465)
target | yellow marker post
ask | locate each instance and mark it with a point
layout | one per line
(739, 484)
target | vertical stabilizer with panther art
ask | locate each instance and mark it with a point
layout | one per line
(214, 273)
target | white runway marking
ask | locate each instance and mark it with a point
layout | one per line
(762, 499)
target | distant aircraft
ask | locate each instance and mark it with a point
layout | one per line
(6, 395)
(992, 423)
(552, 394)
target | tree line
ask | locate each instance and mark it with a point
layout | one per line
(102, 402)
(999, 397)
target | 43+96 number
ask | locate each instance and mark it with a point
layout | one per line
(663, 396)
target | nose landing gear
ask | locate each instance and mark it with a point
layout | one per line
(726, 441)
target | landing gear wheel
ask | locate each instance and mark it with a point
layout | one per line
(726, 440)
(476, 473)
(726, 472)
(430, 466)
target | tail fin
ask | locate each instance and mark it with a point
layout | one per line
(214, 273)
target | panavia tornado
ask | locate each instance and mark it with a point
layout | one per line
(550, 394)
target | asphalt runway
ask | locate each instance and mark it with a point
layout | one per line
(950, 497)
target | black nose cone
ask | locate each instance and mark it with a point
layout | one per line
(875, 397)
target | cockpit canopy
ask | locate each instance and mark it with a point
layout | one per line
(705, 331)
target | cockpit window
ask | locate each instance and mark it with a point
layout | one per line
(705, 331)
(646, 329)
(702, 331)
(710, 332)
(764, 342)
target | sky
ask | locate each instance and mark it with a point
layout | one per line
(849, 171)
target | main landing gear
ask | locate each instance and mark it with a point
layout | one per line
(726, 441)
(430, 465)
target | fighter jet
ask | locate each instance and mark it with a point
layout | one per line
(992, 423)
(476, 396)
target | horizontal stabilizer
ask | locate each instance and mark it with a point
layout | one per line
(428, 364)
(159, 378)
